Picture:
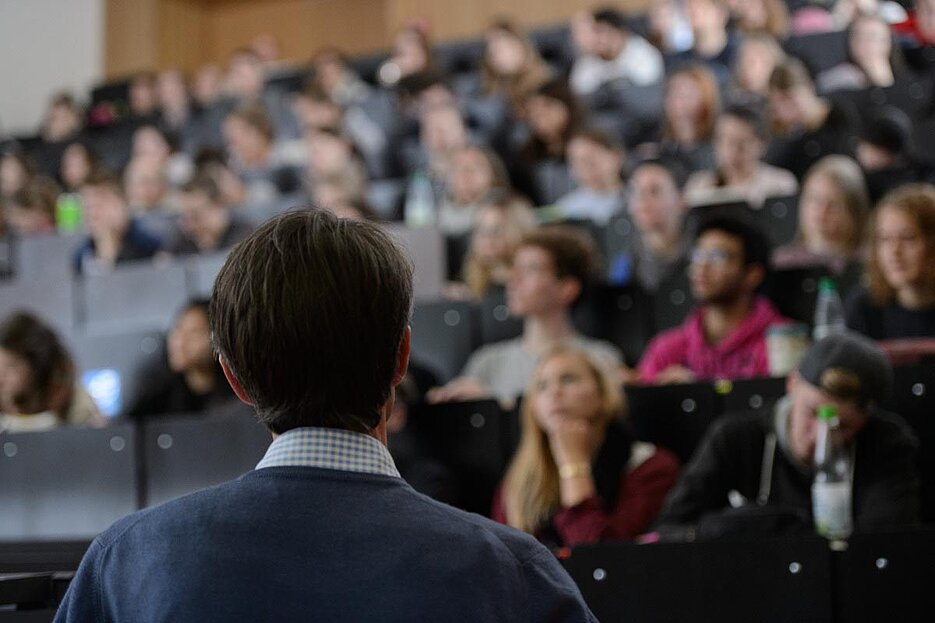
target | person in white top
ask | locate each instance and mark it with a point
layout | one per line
(740, 139)
(551, 268)
(616, 53)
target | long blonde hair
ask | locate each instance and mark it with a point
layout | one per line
(531, 488)
(845, 174)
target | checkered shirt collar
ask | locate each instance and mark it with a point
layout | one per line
(329, 448)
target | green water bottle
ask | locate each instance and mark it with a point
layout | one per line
(68, 213)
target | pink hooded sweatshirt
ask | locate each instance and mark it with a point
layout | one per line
(742, 354)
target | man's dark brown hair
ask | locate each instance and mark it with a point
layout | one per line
(309, 313)
(572, 252)
(104, 178)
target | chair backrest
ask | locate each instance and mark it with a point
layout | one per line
(496, 322)
(886, 577)
(780, 219)
(45, 256)
(52, 300)
(142, 295)
(914, 399)
(620, 315)
(474, 441)
(426, 247)
(110, 365)
(68, 483)
(747, 394)
(716, 582)
(185, 454)
(672, 416)
(672, 301)
(795, 291)
(202, 270)
(819, 51)
(7, 257)
(444, 334)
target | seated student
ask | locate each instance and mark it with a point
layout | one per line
(39, 388)
(725, 337)
(833, 208)
(657, 208)
(757, 56)
(874, 58)
(249, 134)
(147, 190)
(500, 227)
(752, 473)
(617, 54)
(31, 210)
(16, 172)
(539, 169)
(551, 268)
(476, 176)
(192, 380)
(205, 222)
(805, 126)
(114, 236)
(615, 68)
(900, 300)
(691, 107)
(579, 476)
(740, 139)
(596, 162)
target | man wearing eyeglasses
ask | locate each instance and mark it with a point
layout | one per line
(725, 336)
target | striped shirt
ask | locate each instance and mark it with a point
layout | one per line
(329, 448)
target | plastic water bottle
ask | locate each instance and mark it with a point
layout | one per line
(420, 201)
(68, 213)
(829, 311)
(831, 488)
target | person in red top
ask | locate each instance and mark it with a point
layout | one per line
(579, 476)
(725, 337)
(919, 24)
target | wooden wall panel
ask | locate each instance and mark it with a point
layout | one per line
(183, 34)
(131, 29)
(154, 34)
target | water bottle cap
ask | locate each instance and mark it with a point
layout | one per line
(827, 284)
(827, 412)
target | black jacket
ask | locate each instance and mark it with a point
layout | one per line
(731, 458)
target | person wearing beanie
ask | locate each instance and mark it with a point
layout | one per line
(752, 473)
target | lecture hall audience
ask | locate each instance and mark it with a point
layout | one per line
(617, 125)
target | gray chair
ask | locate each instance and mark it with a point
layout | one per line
(185, 454)
(52, 300)
(45, 257)
(202, 270)
(138, 296)
(444, 334)
(68, 483)
(426, 247)
(110, 365)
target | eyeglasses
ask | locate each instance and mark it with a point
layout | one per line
(717, 257)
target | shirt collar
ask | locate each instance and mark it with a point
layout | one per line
(329, 448)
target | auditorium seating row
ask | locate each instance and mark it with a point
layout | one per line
(72, 483)
(146, 295)
(476, 440)
(877, 577)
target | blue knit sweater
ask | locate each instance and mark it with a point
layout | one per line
(310, 544)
